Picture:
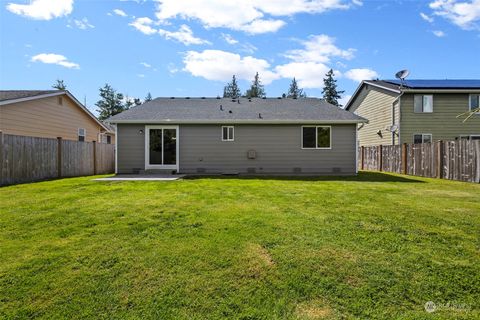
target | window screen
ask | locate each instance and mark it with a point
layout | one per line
(423, 103)
(474, 101)
(309, 138)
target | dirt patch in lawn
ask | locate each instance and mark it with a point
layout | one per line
(259, 260)
(315, 309)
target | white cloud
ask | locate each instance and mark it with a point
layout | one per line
(183, 35)
(308, 74)
(229, 39)
(120, 12)
(465, 14)
(146, 65)
(439, 33)
(361, 74)
(319, 48)
(221, 65)
(42, 9)
(83, 24)
(247, 15)
(426, 17)
(144, 25)
(58, 59)
(141, 75)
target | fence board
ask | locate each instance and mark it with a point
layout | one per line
(26, 159)
(453, 160)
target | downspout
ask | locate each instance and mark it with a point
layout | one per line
(399, 99)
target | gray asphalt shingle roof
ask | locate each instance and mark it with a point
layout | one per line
(223, 110)
(19, 94)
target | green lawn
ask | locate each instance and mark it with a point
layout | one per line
(375, 246)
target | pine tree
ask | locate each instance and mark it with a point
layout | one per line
(231, 90)
(59, 85)
(256, 89)
(148, 97)
(330, 93)
(110, 103)
(294, 91)
(137, 101)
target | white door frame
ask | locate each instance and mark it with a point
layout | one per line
(147, 149)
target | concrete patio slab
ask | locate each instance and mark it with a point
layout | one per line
(142, 177)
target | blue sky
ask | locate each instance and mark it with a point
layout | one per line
(192, 47)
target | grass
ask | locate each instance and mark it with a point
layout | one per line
(376, 246)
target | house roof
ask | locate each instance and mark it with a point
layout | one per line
(243, 110)
(14, 96)
(19, 94)
(415, 85)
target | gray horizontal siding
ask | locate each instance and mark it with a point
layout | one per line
(278, 149)
(130, 148)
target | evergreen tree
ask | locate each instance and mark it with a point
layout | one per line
(110, 103)
(294, 91)
(231, 90)
(59, 85)
(330, 93)
(137, 101)
(148, 97)
(256, 89)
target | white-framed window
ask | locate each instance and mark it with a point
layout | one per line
(316, 137)
(228, 133)
(422, 138)
(474, 102)
(82, 133)
(470, 137)
(423, 103)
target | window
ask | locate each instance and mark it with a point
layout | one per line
(423, 103)
(81, 134)
(227, 133)
(422, 138)
(474, 101)
(316, 137)
(109, 139)
(470, 137)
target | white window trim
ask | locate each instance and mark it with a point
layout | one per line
(147, 149)
(228, 135)
(84, 135)
(468, 136)
(422, 95)
(423, 137)
(470, 108)
(316, 138)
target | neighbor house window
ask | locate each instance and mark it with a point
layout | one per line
(81, 134)
(423, 103)
(316, 137)
(470, 137)
(474, 101)
(109, 139)
(422, 138)
(227, 133)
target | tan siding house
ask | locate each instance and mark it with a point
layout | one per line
(50, 114)
(419, 111)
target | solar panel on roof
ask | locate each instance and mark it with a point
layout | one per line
(441, 84)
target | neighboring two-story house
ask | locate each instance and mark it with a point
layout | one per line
(419, 111)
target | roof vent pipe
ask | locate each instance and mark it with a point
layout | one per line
(260, 116)
(221, 108)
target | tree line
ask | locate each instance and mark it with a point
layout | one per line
(257, 90)
(111, 102)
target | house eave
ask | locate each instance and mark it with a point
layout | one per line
(228, 121)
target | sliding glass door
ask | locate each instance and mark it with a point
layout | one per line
(161, 147)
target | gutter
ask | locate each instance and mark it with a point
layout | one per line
(232, 121)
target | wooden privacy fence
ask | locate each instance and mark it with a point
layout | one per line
(25, 159)
(453, 160)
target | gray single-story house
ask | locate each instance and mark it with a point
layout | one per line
(236, 136)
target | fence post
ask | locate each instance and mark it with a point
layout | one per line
(59, 157)
(439, 159)
(363, 157)
(94, 157)
(1, 157)
(380, 157)
(404, 158)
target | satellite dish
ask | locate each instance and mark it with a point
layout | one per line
(402, 74)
